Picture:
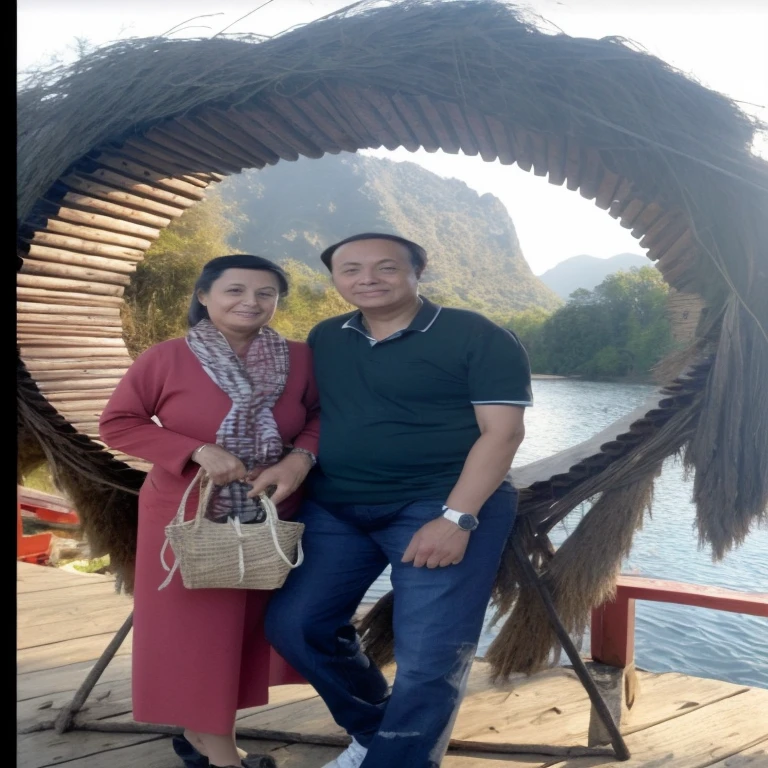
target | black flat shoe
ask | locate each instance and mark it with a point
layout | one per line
(258, 761)
(252, 761)
(187, 752)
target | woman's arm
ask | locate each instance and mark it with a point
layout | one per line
(309, 437)
(126, 422)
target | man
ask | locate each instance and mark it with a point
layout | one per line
(421, 415)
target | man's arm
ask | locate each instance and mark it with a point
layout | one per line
(441, 542)
(501, 432)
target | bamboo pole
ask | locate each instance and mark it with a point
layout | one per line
(41, 376)
(457, 120)
(444, 132)
(46, 318)
(60, 256)
(185, 187)
(326, 124)
(44, 340)
(95, 395)
(70, 286)
(410, 112)
(331, 101)
(72, 272)
(216, 121)
(121, 197)
(167, 161)
(235, 152)
(96, 235)
(481, 132)
(113, 209)
(288, 111)
(359, 110)
(175, 140)
(86, 365)
(277, 126)
(273, 142)
(66, 309)
(78, 244)
(52, 331)
(136, 187)
(76, 385)
(110, 224)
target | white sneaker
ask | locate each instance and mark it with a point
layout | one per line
(351, 757)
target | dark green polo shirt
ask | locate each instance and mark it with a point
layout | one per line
(396, 416)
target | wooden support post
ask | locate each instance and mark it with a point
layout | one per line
(612, 643)
(613, 631)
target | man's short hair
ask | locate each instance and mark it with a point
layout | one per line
(417, 253)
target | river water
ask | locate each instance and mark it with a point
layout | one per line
(668, 637)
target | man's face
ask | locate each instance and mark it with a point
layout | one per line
(374, 274)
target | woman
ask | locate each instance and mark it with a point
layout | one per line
(238, 400)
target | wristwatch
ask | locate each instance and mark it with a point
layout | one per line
(465, 521)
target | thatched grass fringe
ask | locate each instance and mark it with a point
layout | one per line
(581, 576)
(606, 90)
(106, 499)
(376, 632)
(729, 448)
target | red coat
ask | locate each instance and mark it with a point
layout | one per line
(198, 655)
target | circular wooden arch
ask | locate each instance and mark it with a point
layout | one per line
(108, 209)
(129, 140)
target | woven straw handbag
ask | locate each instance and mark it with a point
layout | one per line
(229, 554)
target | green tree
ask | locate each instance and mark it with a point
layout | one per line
(620, 329)
(157, 300)
(312, 298)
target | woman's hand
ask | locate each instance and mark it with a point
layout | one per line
(221, 466)
(288, 474)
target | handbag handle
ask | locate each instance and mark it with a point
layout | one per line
(202, 502)
(271, 511)
(206, 488)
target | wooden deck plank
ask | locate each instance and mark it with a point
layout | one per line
(47, 682)
(83, 592)
(664, 696)
(106, 700)
(754, 757)
(63, 627)
(697, 739)
(158, 753)
(40, 578)
(677, 720)
(44, 748)
(71, 651)
(40, 615)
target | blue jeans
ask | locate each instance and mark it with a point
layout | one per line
(438, 617)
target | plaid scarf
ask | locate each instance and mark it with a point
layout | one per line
(249, 430)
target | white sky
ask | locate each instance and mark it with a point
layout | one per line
(722, 44)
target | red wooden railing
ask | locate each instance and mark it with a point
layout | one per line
(613, 623)
(36, 548)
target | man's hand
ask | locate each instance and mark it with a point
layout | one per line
(220, 465)
(437, 544)
(288, 474)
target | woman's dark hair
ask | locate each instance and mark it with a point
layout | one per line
(213, 270)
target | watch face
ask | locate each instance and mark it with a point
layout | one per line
(468, 522)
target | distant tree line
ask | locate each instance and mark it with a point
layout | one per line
(618, 330)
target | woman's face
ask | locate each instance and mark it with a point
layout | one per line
(241, 301)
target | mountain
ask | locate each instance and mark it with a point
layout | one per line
(294, 210)
(587, 271)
